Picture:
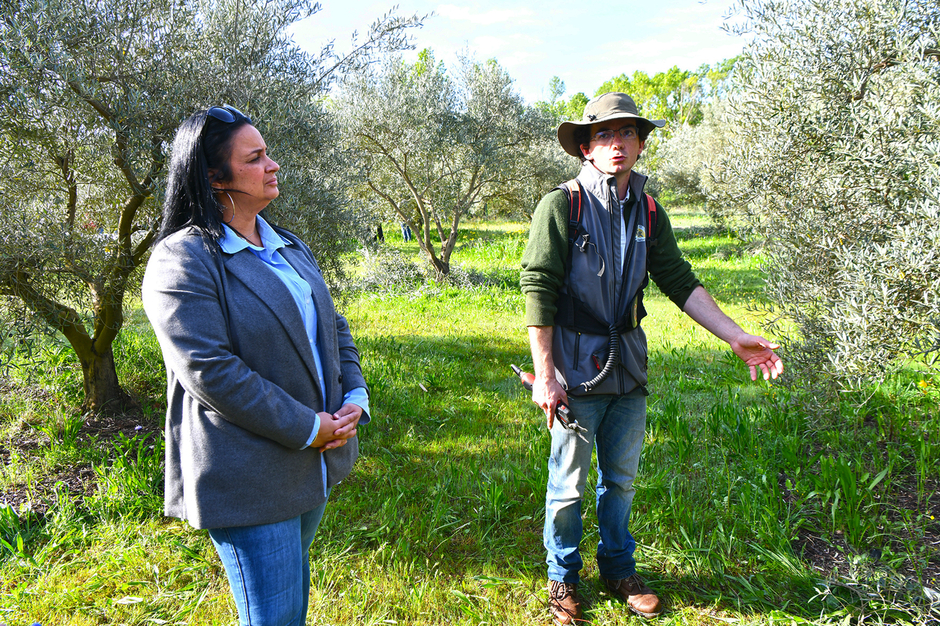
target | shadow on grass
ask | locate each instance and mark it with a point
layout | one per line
(454, 463)
(453, 472)
(451, 480)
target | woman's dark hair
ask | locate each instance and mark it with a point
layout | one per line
(203, 142)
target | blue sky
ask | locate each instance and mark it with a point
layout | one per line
(535, 41)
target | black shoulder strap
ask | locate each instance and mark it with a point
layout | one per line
(651, 215)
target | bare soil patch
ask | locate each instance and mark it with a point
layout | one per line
(78, 480)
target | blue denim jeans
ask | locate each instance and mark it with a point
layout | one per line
(268, 568)
(617, 425)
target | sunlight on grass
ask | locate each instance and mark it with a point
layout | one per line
(441, 520)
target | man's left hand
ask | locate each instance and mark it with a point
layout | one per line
(758, 353)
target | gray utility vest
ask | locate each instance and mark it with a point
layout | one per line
(597, 281)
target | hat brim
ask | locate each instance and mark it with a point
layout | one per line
(567, 130)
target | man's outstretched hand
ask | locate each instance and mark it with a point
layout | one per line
(758, 353)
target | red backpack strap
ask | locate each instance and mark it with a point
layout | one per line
(650, 221)
(574, 203)
(574, 192)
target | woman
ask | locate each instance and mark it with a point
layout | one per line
(264, 385)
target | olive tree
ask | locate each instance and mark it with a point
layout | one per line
(91, 92)
(434, 147)
(833, 164)
(686, 155)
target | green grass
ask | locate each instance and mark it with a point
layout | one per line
(440, 522)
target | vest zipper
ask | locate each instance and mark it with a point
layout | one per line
(577, 350)
(614, 202)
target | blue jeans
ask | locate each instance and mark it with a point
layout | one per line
(268, 568)
(617, 425)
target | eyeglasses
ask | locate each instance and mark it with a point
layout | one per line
(606, 136)
(227, 113)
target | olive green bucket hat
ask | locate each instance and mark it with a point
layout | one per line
(610, 106)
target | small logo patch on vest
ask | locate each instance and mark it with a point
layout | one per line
(641, 233)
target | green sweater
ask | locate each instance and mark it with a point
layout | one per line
(543, 262)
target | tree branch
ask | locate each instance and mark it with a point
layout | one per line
(376, 35)
(65, 165)
(97, 105)
(119, 150)
(885, 64)
(118, 153)
(58, 316)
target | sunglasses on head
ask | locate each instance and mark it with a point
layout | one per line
(227, 113)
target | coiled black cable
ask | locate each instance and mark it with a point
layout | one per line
(613, 360)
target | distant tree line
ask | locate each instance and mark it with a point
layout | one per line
(673, 155)
(677, 96)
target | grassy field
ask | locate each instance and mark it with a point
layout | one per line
(752, 505)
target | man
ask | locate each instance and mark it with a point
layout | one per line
(583, 307)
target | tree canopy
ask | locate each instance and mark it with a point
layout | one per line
(434, 147)
(91, 93)
(832, 162)
(675, 95)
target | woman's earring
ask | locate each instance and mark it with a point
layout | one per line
(222, 206)
(233, 205)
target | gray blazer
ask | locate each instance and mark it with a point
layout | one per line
(242, 387)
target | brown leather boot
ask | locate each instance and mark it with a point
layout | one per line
(636, 594)
(563, 601)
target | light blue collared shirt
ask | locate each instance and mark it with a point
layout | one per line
(623, 229)
(300, 290)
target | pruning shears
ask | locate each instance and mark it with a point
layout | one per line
(562, 413)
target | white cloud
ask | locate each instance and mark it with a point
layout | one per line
(484, 18)
(510, 51)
